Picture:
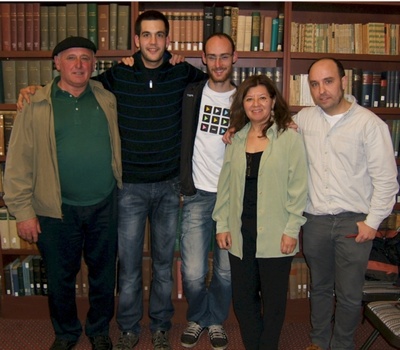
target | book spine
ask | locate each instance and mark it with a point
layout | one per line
(279, 43)
(83, 30)
(274, 34)
(20, 26)
(72, 19)
(6, 26)
(92, 22)
(53, 27)
(61, 23)
(113, 26)
(36, 26)
(218, 19)
(255, 31)
(208, 22)
(103, 26)
(44, 28)
(123, 27)
(28, 26)
(226, 26)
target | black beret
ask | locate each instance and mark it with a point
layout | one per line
(74, 41)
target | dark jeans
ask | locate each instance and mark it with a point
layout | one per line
(93, 230)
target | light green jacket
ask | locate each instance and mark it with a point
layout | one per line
(282, 191)
(31, 181)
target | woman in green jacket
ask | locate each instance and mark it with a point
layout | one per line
(261, 196)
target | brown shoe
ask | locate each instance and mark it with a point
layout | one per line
(313, 347)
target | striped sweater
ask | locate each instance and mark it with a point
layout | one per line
(149, 103)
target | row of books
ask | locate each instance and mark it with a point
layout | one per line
(250, 32)
(274, 73)
(394, 128)
(34, 27)
(18, 74)
(299, 280)
(26, 276)
(370, 88)
(355, 38)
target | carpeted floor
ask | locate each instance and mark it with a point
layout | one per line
(16, 334)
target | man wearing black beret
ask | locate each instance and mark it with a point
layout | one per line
(63, 168)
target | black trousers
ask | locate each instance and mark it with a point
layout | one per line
(93, 231)
(259, 293)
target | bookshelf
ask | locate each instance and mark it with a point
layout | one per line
(287, 60)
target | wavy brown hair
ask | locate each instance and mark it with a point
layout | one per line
(281, 115)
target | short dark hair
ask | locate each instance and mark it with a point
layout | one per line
(220, 35)
(151, 15)
(339, 65)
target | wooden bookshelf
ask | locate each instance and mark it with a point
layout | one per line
(290, 62)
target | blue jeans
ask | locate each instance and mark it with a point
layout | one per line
(337, 265)
(206, 306)
(160, 203)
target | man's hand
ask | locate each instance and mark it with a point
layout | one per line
(228, 136)
(224, 240)
(365, 232)
(29, 230)
(128, 61)
(175, 59)
(288, 244)
(24, 95)
(293, 125)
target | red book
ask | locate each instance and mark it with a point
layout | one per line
(13, 30)
(20, 26)
(6, 25)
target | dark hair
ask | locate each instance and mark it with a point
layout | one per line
(151, 15)
(339, 65)
(238, 117)
(220, 35)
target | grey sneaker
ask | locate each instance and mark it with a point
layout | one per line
(191, 335)
(218, 338)
(126, 341)
(160, 340)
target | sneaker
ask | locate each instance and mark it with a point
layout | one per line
(62, 344)
(126, 341)
(160, 340)
(101, 342)
(218, 338)
(191, 335)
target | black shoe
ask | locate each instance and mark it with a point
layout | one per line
(101, 342)
(63, 344)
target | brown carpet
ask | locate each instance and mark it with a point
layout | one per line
(16, 334)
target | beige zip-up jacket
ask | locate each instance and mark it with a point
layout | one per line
(31, 181)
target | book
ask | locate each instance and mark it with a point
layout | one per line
(113, 26)
(83, 30)
(357, 84)
(240, 36)
(14, 277)
(292, 292)
(9, 81)
(255, 31)
(189, 21)
(396, 89)
(376, 89)
(218, 19)
(43, 277)
(34, 72)
(274, 34)
(72, 19)
(103, 26)
(61, 23)
(234, 23)
(247, 33)
(208, 28)
(196, 30)
(2, 150)
(226, 21)
(267, 33)
(279, 44)
(21, 67)
(383, 90)
(28, 26)
(8, 278)
(92, 22)
(123, 27)
(53, 27)
(36, 274)
(27, 269)
(183, 22)
(366, 88)
(46, 71)
(36, 26)
(21, 284)
(44, 28)
(14, 27)
(175, 30)
(20, 26)
(4, 231)
(15, 241)
(5, 26)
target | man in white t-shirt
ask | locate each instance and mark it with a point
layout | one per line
(205, 118)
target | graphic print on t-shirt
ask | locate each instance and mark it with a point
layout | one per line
(214, 120)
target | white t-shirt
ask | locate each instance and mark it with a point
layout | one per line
(208, 154)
